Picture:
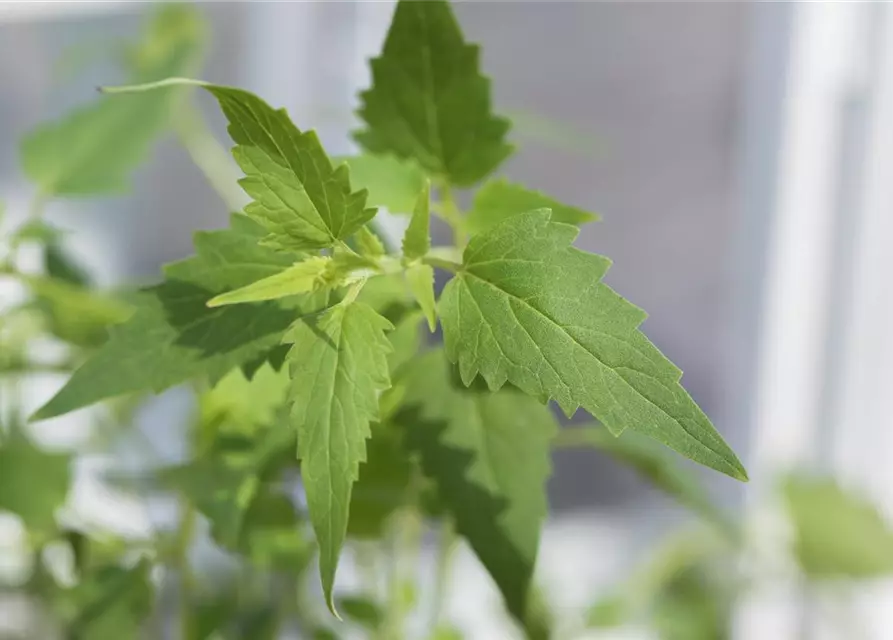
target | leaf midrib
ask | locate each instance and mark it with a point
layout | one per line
(586, 350)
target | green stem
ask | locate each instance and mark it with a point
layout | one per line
(445, 549)
(208, 155)
(185, 533)
(572, 438)
(450, 212)
(440, 263)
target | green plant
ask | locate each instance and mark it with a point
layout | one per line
(300, 330)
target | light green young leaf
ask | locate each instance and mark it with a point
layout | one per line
(429, 101)
(406, 339)
(338, 365)
(369, 244)
(302, 277)
(303, 200)
(173, 336)
(94, 150)
(499, 199)
(417, 239)
(420, 278)
(530, 309)
(837, 534)
(651, 461)
(488, 454)
(391, 182)
(243, 404)
(33, 483)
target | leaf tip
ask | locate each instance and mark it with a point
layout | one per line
(330, 603)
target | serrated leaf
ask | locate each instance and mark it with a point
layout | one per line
(420, 278)
(369, 244)
(338, 365)
(391, 182)
(299, 196)
(110, 604)
(33, 483)
(838, 534)
(173, 336)
(94, 149)
(530, 309)
(654, 463)
(488, 456)
(499, 199)
(417, 239)
(429, 101)
(303, 277)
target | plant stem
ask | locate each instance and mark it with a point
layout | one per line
(450, 212)
(440, 263)
(181, 558)
(406, 535)
(572, 438)
(446, 546)
(208, 154)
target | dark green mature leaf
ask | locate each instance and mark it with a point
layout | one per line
(338, 365)
(488, 454)
(530, 309)
(94, 149)
(33, 483)
(428, 100)
(364, 611)
(173, 336)
(382, 485)
(110, 604)
(653, 462)
(59, 265)
(499, 199)
(392, 183)
(299, 196)
(837, 534)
